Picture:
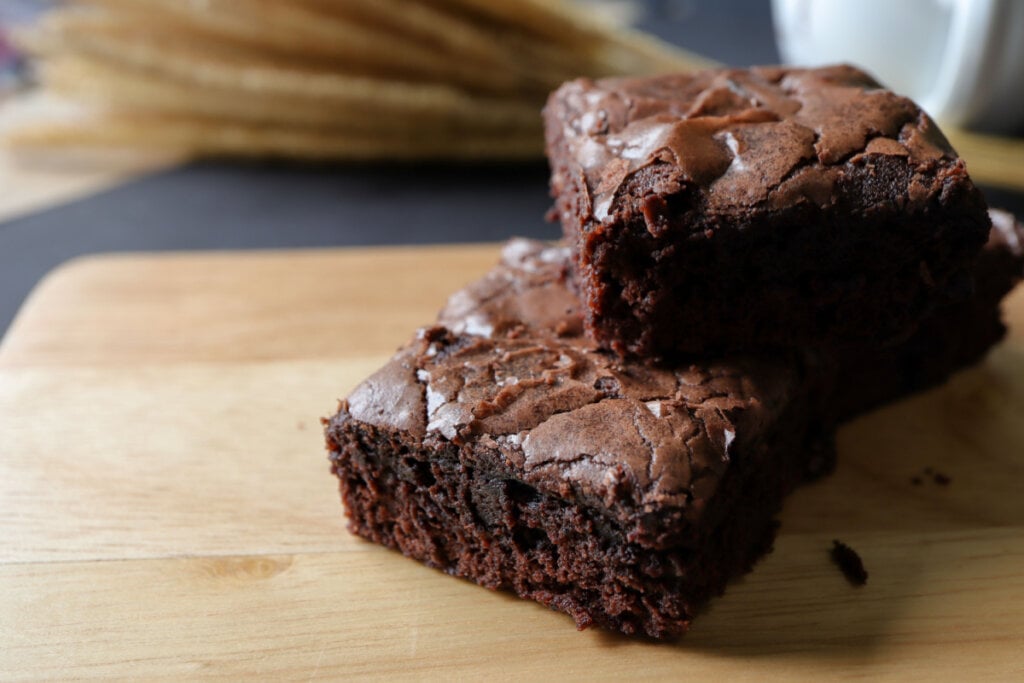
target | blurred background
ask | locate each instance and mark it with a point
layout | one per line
(133, 125)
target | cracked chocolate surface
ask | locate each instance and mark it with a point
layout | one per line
(568, 418)
(1006, 237)
(764, 136)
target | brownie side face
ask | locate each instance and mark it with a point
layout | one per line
(529, 460)
(953, 337)
(739, 209)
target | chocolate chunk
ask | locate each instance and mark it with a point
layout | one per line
(849, 562)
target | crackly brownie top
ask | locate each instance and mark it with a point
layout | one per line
(509, 372)
(767, 136)
(1001, 263)
(1007, 233)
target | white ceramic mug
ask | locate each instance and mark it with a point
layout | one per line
(961, 60)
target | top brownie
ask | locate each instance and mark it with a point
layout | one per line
(738, 209)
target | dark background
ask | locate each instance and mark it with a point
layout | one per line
(230, 206)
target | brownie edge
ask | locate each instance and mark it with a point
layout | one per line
(734, 210)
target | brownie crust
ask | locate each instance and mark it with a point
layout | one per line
(738, 209)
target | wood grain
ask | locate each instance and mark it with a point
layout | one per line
(230, 307)
(946, 604)
(150, 462)
(167, 512)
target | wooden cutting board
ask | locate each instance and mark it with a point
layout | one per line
(166, 509)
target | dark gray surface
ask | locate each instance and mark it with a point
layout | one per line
(233, 206)
(226, 206)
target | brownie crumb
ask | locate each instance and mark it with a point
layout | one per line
(849, 563)
(932, 474)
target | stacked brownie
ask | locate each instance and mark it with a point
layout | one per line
(731, 210)
(609, 426)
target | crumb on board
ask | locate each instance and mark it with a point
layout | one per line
(932, 474)
(849, 562)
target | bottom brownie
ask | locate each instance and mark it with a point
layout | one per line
(503, 447)
(622, 495)
(484, 524)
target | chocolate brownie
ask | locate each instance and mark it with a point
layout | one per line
(518, 455)
(953, 337)
(504, 447)
(741, 209)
